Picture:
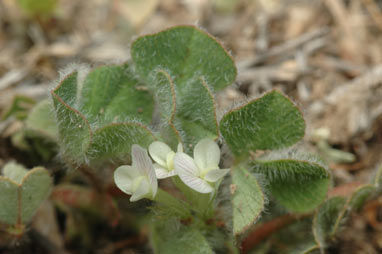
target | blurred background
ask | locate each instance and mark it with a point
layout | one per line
(325, 54)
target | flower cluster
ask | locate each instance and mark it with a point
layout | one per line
(199, 173)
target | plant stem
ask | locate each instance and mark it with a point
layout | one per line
(94, 180)
(169, 200)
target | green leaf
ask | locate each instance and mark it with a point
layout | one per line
(360, 196)
(269, 122)
(335, 212)
(247, 199)
(187, 54)
(101, 117)
(73, 128)
(299, 185)
(18, 107)
(112, 94)
(115, 140)
(14, 172)
(186, 240)
(8, 201)
(186, 119)
(183, 65)
(41, 121)
(165, 96)
(35, 188)
(22, 192)
(196, 115)
(327, 219)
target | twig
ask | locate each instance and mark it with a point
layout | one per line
(12, 77)
(287, 48)
(376, 15)
(366, 81)
(341, 16)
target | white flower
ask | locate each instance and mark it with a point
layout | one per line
(139, 179)
(164, 158)
(201, 172)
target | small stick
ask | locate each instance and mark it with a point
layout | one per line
(287, 48)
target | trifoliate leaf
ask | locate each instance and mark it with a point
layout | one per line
(183, 65)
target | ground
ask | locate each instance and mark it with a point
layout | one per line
(324, 54)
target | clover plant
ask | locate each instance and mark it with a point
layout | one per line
(155, 119)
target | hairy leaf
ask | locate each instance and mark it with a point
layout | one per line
(186, 240)
(22, 192)
(101, 115)
(35, 188)
(247, 199)
(185, 119)
(269, 122)
(187, 54)
(298, 185)
(335, 211)
(41, 121)
(360, 196)
(184, 65)
(115, 140)
(8, 201)
(327, 218)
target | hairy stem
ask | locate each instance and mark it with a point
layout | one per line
(168, 200)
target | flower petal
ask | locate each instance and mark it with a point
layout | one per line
(124, 177)
(215, 174)
(184, 163)
(162, 172)
(143, 163)
(195, 182)
(142, 191)
(207, 154)
(158, 151)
